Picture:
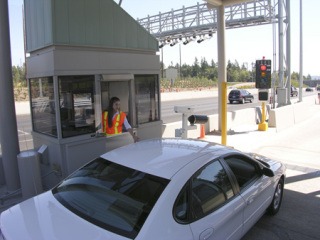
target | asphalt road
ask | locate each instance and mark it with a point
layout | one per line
(206, 106)
(202, 106)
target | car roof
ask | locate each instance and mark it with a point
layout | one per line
(164, 157)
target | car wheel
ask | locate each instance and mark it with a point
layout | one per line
(231, 102)
(274, 207)
(250, 100)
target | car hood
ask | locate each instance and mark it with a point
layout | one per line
(44, 218)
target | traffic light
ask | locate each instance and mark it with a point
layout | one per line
(263, 74)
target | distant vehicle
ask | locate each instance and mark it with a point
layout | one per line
(154, 189)
(294, 91)
(240, 95)
(318, 88)
(309, 89)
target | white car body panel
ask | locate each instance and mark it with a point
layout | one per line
(257, 197)
(224, 223)
(45, 218)
(166, 159)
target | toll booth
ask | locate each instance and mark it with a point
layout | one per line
(82, 53)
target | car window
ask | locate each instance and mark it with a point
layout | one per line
(181, 208)
(111, 196)
(208, 189)
(244, 170)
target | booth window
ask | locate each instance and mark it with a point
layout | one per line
(76, 97)
(42, 106)
(147, 98)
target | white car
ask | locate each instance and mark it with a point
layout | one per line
(154, 189)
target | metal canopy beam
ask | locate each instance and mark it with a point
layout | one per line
(200, 21)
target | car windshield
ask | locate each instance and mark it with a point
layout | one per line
(112, 196)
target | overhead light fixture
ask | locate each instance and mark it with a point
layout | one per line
(186, 41)
(210, 34)
(173, 42)
(162, 43)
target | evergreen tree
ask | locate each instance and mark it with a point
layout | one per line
(195, 68)
(19, 76)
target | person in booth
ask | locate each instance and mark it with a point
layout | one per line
(113, 120)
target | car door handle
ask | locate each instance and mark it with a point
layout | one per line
(250, 200)
(206, 234)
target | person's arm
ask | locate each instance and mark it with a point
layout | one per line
(135, 138)
(130, 130)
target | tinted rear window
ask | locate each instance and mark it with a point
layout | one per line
(111, 196)
(235, 92)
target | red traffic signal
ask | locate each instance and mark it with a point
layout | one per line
(263, 67)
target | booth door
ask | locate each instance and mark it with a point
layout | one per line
(120, 89)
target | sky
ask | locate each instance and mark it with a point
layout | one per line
(245, 45)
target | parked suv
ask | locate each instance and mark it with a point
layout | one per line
(240, 95)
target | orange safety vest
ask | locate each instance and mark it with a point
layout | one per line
(117, 123)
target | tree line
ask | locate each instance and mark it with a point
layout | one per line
(235, 72)
(19, 76)
(199, 69)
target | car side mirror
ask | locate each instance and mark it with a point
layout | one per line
(268, 172)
